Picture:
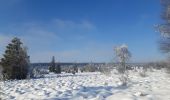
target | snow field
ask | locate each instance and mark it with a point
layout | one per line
(89, 86)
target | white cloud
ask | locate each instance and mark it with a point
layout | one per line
(68, 24)
(43, 41)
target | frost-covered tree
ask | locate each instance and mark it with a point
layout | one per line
(164, 28)
(123, 55)
(15, 62)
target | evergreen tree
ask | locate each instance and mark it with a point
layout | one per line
(52, 65)
(54, 68)
(15, 62)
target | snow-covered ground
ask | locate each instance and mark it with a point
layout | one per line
(89, 86)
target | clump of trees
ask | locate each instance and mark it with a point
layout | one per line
(54, 68)
(123, 55)
(15, 61)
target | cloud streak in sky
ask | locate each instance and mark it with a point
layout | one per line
(45, 40)
(68, 24)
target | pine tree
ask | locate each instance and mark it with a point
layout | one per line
(52, 65)
(54, 68)
(15, 62)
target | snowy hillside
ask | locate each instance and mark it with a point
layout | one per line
(89, 86)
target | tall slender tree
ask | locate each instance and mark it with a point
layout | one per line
(123, 55)
(15, 62)
(52, 65)
(54, 68)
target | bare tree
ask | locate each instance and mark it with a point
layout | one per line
(164, 28)
(123, 55)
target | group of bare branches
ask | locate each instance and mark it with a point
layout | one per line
(164, 29)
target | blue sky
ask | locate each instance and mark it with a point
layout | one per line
(82, 30)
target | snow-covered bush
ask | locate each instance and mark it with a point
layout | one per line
(105, 70)
(123, 55)
(44, 71)
(90, 68)
(124, 79)
(36, 73)
(142, 71)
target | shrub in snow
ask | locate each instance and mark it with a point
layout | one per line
(38, 73)
(79, 70)
(142, 72)
(123, 55)
(73, 72)
(105, 70)
(75, 68)
(124, 79)
(35, 73)
(89, 68)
